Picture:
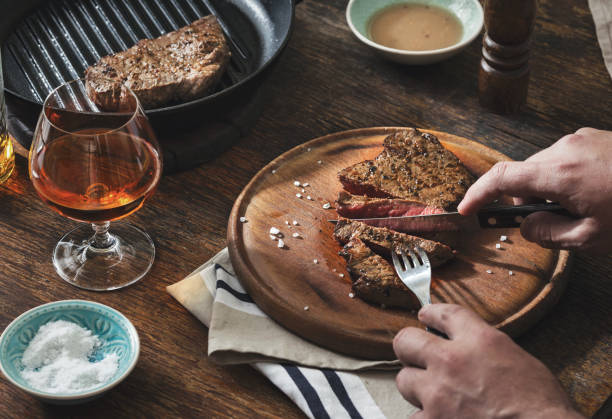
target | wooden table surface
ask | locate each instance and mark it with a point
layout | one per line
(326, 81)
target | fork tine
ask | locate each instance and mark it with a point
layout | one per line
(414, 257)
(423, 256)
(396, 262)
(407, 262)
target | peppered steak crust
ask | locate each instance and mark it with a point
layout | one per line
(178, 66)
(412, 166)
(381, 240)
(374, 279)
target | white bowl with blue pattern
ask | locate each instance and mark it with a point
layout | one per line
(112, 327)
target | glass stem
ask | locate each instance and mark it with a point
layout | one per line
(102, 238)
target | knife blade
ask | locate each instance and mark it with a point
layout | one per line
(489, 217)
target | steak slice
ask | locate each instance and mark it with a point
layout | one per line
(356, 206)
(178, 66)
(381, 240)
(413, 166)
(374, 279)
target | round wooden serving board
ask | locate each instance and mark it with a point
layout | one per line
(284, 281)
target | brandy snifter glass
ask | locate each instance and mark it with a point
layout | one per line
(96, 165)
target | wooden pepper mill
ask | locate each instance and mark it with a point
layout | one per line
(504, 67)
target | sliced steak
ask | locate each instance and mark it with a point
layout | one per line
(178, 66)
(356, 206)
(381, 240)
(374, 279)
(413, 166)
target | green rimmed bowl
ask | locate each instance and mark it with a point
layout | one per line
(469, 13)
(117, 332)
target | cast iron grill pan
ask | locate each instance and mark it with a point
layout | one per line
(57, 42)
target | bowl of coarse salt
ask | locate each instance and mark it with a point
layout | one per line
(68, 352)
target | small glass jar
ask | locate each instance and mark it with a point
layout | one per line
(7, 156)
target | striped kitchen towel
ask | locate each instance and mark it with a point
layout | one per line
(322, 383)
(602, 16)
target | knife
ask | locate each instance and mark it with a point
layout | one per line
(488, 217)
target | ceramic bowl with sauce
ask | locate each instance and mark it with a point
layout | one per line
(415, 32)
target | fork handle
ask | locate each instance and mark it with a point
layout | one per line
(436, 332)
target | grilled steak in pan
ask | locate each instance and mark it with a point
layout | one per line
(47, 43)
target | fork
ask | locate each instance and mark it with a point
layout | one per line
(415, 273)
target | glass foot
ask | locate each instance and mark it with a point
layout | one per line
(127, 256)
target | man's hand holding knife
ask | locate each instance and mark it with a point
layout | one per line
(480, 372)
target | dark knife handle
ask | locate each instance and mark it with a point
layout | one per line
(513, 216)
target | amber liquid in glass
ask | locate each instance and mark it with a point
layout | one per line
(94, 176)
(7, 157)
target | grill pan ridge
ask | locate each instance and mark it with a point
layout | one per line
(62, 38)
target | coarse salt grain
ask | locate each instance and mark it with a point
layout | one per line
(274, 231)
(296, 235)
(305, 184)
(341, 275)
(326, 205)
(308, 149)
(489, 271)
(309, 198)
(287, 222)
(295, 223)
(243, 219)
(351, 295)
(299, 195)
(296, 183)
(315, 261)
(274, 238)
(319, 162)
(334, 270)
(281, 243)
(510, 273)
(503, 238)
(497, 246)
(306, 308)
(273, 171)
(57, 359)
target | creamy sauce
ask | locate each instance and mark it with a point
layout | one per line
(415, 27)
